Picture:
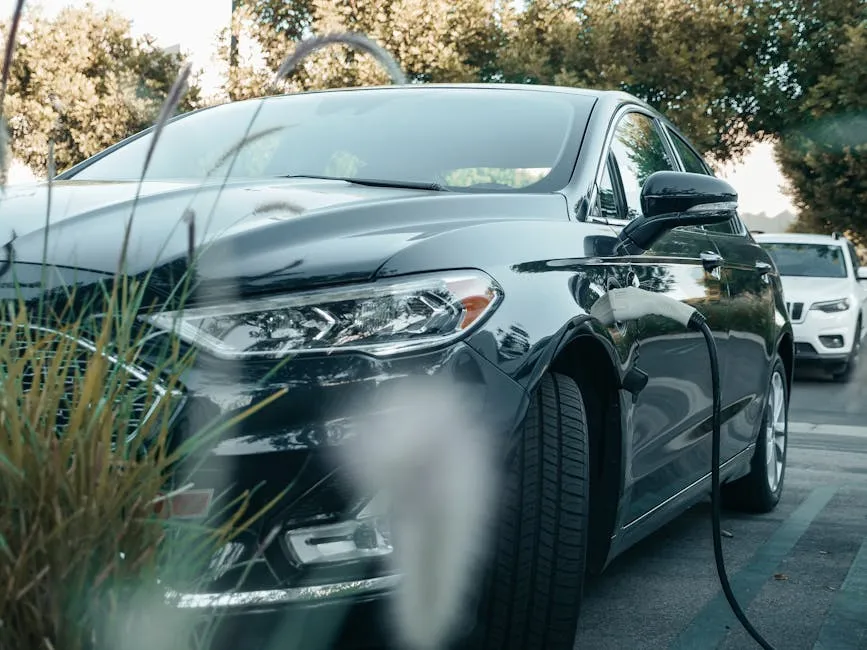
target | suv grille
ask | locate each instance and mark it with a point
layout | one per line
(796, 310)
(139, 404)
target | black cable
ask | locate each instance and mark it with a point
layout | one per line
(699, 323)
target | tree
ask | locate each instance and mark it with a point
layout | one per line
(728, 73)
(82, 79)
(265, 29)
(434, 40)
(823, 153)
(704, 63)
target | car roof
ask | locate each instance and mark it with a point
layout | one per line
(800, 238)
(614, 96)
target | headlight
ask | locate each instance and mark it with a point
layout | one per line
(379, 318)
(832, 306)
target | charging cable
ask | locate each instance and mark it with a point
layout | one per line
(631, 303)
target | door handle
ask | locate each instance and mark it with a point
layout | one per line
(763, 268)
(711, 261)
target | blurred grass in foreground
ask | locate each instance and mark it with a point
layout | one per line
(82, 474)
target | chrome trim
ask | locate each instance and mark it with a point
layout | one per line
(287, 596)
(720, 206)
(689, 487)
(621, 111)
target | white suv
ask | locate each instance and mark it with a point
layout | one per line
(825, 288)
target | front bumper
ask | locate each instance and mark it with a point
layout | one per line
(351, 614)
(266, 600)
(285, 454)
(821, 337)
(349, 624)
(282, 457)
(806, 353)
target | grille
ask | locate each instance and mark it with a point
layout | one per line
(804, 348)
(796, 310)
(141, 396)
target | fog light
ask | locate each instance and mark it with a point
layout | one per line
(833, 341)
(366, 536)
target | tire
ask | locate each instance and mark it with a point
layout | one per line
(845, 374)
(536, 575)
(757, 492)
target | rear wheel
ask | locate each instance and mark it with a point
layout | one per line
(536, 577)
(760, 490)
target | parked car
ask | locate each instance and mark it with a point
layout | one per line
(447, 231)
(825, 288)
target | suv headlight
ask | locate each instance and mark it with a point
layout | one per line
(379, 318)
(831, 306)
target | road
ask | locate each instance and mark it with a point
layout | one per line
(799, 572)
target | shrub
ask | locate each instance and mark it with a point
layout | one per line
(82, 473)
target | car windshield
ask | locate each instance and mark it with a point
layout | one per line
(807, 260)
(458, 138)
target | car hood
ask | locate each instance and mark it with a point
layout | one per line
(287, 231)
(811, 290)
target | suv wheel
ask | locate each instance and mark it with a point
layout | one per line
(536, 576)
(760, 490)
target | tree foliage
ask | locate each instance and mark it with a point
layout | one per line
(705, 64)
(81, 78)
(434, 40)
(823, 148)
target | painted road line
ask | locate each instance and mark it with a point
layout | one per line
(830, 429)
(845, 626)
(710, 625)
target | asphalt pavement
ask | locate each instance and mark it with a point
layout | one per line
(800, 572)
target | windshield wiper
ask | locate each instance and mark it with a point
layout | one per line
(375, 182)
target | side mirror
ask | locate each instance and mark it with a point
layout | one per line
(673, 199)
(861, 273)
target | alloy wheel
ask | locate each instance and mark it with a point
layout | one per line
(775, 431)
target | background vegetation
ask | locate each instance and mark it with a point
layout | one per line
(80, 78)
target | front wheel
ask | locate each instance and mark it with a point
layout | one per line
(760, 490)
(536, 577)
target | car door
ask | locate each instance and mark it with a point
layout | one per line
(667, 444)
(747, 311)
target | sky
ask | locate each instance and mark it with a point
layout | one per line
(193, 25)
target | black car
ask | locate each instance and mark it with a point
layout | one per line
(454, 232)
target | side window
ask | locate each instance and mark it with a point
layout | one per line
(639, 151)
(856, 261)
(607, 202)
(693, 163)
